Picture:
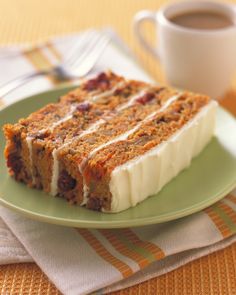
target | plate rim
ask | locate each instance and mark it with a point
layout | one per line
(118, 224)
(137, 222)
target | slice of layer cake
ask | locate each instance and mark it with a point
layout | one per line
(110, 143)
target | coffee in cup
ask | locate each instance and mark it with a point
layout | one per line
(196, 44)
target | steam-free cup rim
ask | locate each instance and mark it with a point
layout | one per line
(167, 11)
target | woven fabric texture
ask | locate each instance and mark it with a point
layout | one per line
(212, 274)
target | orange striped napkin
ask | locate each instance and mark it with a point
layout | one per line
(81, 261)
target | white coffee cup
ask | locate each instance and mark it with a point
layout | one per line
(194, 59)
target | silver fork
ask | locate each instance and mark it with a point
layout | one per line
(79, 61)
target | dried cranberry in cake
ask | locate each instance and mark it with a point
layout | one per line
(101, 81)
(14, 163)
(66, 182)
(83, 107)
(124, 91)
(17, 141)
(147, 97)
(94, 204)
(118, 91)
(40, 135)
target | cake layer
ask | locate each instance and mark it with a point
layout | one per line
(110, 143)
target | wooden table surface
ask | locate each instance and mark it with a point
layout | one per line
(24, 21)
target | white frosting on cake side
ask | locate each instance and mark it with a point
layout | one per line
(146, 175)
(29, 140)
(55, 173)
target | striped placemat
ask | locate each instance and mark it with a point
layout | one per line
(211, 274)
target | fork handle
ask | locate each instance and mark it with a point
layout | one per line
(18, 81)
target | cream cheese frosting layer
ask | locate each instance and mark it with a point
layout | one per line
(146, 175)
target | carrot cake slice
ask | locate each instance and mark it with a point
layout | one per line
(110, 143)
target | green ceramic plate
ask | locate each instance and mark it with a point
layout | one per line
(210, 177)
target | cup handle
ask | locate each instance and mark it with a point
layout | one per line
(139, 19)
